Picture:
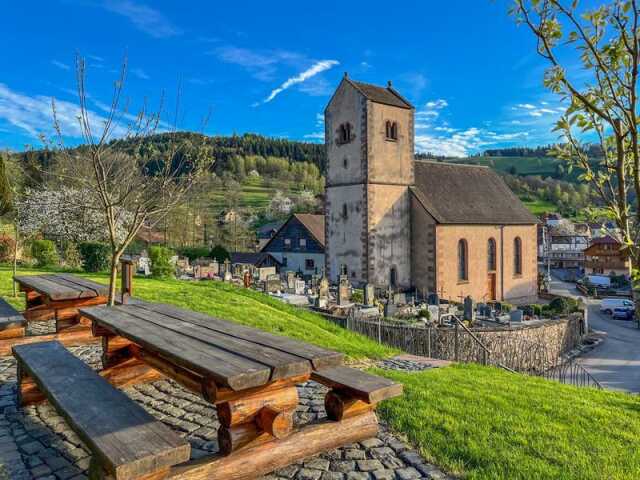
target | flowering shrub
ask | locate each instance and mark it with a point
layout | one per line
(45, 253)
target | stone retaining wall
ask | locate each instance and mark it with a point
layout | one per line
(534, 346)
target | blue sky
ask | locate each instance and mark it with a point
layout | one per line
(270, 67)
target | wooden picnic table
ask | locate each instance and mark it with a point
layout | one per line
(250, 376)
(57, 296)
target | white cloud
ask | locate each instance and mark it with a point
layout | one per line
(34, 115)
(140, 73)
(60, 65)
(262, 65)
(315, 69)
(438, 104)
(526, 106)
(143, 17)
(315, 136)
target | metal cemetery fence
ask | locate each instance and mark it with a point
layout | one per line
(535, 350)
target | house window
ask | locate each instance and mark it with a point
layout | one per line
(491, 255)
(463, 260)
(345, 134)
(517, 256)
(287, 243)
(391, 130)
(303, 242)
(309, 264)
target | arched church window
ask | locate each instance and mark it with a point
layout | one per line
(345, 134)
(463, 260)
(491, 255)
(517, 256)
(391, 130)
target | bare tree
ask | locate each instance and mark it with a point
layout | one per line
(602, 98)
(128, 191)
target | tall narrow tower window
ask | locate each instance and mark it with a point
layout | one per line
(345, 134)
(391, 130)
(463, 258)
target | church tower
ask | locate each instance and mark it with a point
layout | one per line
(369, 135)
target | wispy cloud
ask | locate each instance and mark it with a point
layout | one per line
(310, 72)
(315, 136)
(60, 65)
(34, 116)
(140, 73)
(145, 18)
(261, 64)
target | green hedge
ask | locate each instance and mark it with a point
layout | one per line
(45, 253)
(160, 262)
(95, 256)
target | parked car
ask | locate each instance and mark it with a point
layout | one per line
(608, 305)
(623, 313)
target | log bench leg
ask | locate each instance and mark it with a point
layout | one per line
(250, 463)
(15, 332)
(97, 472)
(28, 391)
(256, 419)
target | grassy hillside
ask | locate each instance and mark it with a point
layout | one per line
(543, 166)
(238, 305)
(486, 423)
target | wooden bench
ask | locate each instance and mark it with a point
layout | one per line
(125, 440)
(353, 391)
(12, 322)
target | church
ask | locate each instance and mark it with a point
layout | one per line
(394, 221)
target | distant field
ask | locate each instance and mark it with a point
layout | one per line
(255, 195)
(543, 166)
(538, 207)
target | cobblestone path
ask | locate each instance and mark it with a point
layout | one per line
(35, 442)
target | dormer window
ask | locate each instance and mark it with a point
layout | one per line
(391, 130)
(345, 134)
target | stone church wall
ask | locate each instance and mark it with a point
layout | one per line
(509, 287)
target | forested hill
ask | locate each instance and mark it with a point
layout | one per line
(223, 149)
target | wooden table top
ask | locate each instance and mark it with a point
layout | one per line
(233, 355)
(63, 286)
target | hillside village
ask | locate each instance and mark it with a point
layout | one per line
(423, 266)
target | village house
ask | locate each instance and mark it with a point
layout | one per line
(393, 221)
(606, 256)
(299, 244)
(566, 243)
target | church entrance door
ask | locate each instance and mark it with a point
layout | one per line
(492, 286)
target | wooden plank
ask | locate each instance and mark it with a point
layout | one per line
(319, 357)
(127, 440)
(362, 385)
(84, 292)
(68, 338)
(282, 364)
(226, 368)
(253, 462)
(48, 287)
(99, 288)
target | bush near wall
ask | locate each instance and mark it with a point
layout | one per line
(160, 262)
(95, 256)
(193, 253)
(45, 253)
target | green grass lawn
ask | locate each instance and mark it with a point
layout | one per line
(485, 423)
(538, 207)
(477, 422)
(239, 305)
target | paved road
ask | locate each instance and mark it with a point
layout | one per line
(616, 362)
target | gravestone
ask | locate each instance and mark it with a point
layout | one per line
(400, 299)
(344, 291)
(227, 267)
(291, 280)
(369, 294)
(227, 276)
(300, 287)
(469, 310)
(272, 284)
(323, 288)
(390, 309)
(433, 299)
(215, 267)
(246, 279)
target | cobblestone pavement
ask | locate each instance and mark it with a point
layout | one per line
(35, 442)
